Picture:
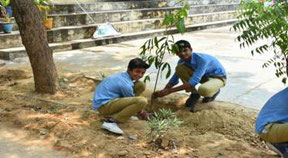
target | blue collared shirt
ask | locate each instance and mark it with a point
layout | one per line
(274, 110)
(113, 87)
(204, 65)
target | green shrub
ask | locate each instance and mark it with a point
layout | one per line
(258, 23)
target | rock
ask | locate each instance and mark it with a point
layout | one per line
(132, 136)
(165, 143)
(43, 132)
(220, 154)
(120, 138)
(147, 153)
(160, 152)
(50, 125)
(67, 118)
(122, 153)
(175, 152)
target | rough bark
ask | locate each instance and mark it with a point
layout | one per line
(34, 38)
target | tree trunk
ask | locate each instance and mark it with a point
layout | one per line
(34, 38)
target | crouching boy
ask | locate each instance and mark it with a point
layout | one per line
(272, 123)
(118, 96)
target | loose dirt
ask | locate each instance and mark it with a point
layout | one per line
(66, 119)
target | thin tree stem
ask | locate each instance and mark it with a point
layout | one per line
(159, 69)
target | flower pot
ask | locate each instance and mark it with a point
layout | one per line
(8, 27)
(9, 10)
(48, 23)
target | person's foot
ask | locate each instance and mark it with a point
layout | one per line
(112, 127)
(279, 148)
(209, 99)
(191, 101)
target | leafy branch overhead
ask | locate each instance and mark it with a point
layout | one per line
(260, 23)
(177, 19)
(154, 50)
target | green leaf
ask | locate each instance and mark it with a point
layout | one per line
(181, 26)
(161, 39)
(147, 79)
(182, 13)
(169, 71)
(168, 20)
(187, 6)
(156, 41)
(143, 51)
(175, 49)
(164, 66)
(150, 60)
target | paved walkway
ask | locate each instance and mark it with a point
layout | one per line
(248, 83)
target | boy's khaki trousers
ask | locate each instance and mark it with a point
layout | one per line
(275, 133)
(123, 108)
(209, 86)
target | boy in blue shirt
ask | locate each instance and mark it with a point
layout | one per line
(118, 95)
(272, 123)
(194, 68)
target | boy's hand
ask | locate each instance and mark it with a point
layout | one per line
(161, 93)
(144, 115)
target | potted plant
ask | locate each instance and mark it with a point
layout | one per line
(44, 8)
(5, 20)
(6, 4)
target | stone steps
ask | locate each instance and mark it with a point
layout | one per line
(110, 16)
(12, 53)
(205, 2)
(69, 33)
(109, 10)
(74, 8)
(71, 6)
(125, 15)
(133, 19)
(104, 6)
(213, 8)
(95, 1)
(69, 19)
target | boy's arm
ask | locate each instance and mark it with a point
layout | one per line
(185, 86)
(127, 91)
(199, 72)
(168, 86)
(193, 81)
(165, 92)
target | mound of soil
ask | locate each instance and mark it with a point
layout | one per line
(8, 75)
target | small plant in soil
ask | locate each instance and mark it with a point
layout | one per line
(4, 16)
(63, 80)
(160, 123)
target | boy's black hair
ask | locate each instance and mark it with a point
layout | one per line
(182, 44)
(137, 63)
